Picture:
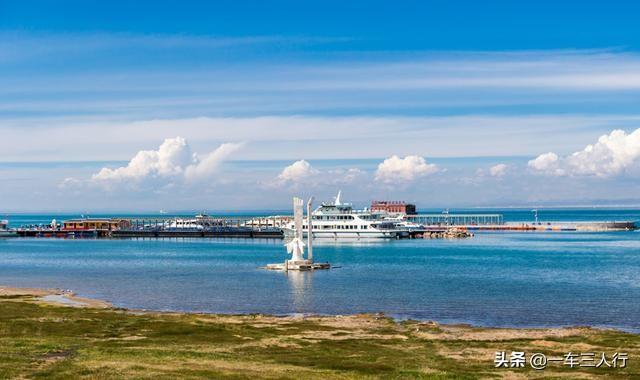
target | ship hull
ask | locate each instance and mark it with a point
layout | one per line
(348, 234)
(8, 234)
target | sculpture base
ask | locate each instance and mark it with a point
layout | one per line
(298, 265)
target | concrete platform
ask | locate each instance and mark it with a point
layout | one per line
(304, 265)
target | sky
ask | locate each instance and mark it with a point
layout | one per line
(240, 105)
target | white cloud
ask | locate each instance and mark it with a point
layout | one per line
(297, 172)
(342, 176)
(548, 163)
(498, 170)
(169, 160)
(302, 173)
(613, 154)
(209, 164)
(405, 169)
(173, 161)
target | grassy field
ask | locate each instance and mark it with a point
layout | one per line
(39, 340)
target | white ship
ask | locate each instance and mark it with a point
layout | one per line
(5, 231)
(184, 225)
(339, 220)
(401, 223)
(201, 221)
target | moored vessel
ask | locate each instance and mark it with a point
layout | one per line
(338, 220)
(5, 231)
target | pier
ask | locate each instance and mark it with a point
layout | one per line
(271, 227)
(446, 219)
(198, 227)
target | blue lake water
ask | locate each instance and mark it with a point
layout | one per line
(493, 279)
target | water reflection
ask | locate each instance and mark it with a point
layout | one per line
(301, 289)
(353, 242)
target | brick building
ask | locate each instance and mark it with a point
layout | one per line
(394, 207)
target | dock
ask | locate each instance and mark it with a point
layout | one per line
(431, 226)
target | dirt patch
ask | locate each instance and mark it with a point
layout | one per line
(457, 332)
(7, 291)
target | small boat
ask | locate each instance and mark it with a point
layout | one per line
(184, 225)
(5, 231)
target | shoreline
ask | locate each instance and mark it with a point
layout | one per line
(68, 298)
(54, 296)
(43, 337)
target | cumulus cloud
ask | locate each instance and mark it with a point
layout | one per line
(173, 161)
(302, 173)
(404, 169)
(296, 172)
(498, 170)
(548, 163)
(613, 154)
(342, 176)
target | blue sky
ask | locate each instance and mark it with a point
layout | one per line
(126, 105)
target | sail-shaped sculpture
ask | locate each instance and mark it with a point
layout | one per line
(295, 246)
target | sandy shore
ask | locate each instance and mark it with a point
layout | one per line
(53, 296)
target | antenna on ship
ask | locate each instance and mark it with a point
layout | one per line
(337, 200)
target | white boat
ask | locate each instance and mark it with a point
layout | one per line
(339, 220)
(5, 231)
(402, 223)
(184, 225)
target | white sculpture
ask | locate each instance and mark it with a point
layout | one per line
(296, 246)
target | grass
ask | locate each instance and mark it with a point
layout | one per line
(55, 342)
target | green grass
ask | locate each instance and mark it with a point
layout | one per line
(56, 342)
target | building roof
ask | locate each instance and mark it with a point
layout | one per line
(91, 220)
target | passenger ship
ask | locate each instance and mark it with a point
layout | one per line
(339, 220)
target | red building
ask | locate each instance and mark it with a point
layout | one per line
(395, 207)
